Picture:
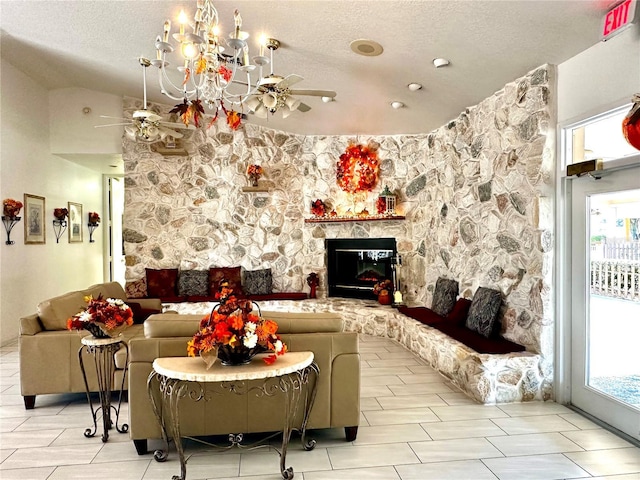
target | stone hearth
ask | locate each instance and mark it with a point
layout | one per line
(487, 378)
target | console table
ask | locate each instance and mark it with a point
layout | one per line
(174, 378)
(103, 350)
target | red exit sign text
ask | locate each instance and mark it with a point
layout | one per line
(618, 18)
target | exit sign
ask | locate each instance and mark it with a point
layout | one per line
(618, 18)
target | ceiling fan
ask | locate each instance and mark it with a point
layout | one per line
(274, 92)
(144, 125)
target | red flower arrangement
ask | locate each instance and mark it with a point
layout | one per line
(318, 208)
(102, 314)
(232, 328)
(94, 218)
(381, 205)
(255, 172)
(60, 213)
(11, 207)
(383, 287)
(357, 168)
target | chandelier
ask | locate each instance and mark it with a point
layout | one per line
(211, 65)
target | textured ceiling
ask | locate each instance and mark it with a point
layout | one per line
(94, 44)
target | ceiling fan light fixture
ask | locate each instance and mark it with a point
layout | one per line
(253, 103)
(270, 100)
(262, 112)
(292, 102)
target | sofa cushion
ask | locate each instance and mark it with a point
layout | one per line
(109, 290)
(483, 311)
(54, 312)
(193, 282)
(136, 288)
(162, 283)
(444, 296)
(422, 314)
(460, 311)
(478, 342)
(257, 282)
(232, 275)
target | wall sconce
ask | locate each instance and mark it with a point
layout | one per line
(94, 222)
(60, 222)
(9, 223)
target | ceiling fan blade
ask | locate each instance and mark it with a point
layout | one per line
(180, 126)
(112, 125)
(290, 80)
(315, 93)
(170, 133)
(303, 107)
(115, 118)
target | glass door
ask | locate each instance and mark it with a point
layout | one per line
(605, 298)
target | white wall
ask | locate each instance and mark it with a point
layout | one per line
(73, 131)
(31, 273)
(601, 78)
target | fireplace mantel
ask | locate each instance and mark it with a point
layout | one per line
(381, 218)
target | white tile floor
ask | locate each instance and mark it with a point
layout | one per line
(414, 426)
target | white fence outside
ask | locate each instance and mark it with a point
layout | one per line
(616, 278)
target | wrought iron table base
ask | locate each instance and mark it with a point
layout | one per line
(165, 394)
(105, 367)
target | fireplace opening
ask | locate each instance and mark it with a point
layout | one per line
(355, 265)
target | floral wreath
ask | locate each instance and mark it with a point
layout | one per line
(357, 168)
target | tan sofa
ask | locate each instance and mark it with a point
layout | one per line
(337, 402)
(49, 352)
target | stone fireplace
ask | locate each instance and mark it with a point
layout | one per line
(355, 265)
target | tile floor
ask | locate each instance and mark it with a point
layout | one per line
(414, 426)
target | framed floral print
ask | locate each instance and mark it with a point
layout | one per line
(34, 226)
(75, 222)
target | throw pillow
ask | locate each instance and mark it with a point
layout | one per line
(232, 275)
(444, 296)
(193, 283)
(257, 282)
(483, 311)
(162, 283)
(136, 288)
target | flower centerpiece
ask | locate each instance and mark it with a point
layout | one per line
(235, 334)
(383, 290)
(11, 207)
(61, 214)
(103, 318)
(94, 218)
(254, 172)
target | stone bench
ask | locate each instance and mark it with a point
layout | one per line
(487, 378)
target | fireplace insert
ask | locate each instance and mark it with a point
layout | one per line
(355, 265)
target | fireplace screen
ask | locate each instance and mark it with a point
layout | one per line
(356, 265)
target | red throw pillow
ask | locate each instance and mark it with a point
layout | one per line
(162, 283)
(460, 310)
(233, 276)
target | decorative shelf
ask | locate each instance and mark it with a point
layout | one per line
(255, 189)
(373, 218)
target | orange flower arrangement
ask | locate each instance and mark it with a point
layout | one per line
(94, 218)
(105, 314)
(357, 168)
(318, 208)
(232, 327)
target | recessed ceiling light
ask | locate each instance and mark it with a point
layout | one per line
(414, 87)
(327, 99)
(397, 104)
(440, 62)
(368, 48)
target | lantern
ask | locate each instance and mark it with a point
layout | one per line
(386, 202)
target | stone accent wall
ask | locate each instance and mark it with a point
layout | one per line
(477, 194)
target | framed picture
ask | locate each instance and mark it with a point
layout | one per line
(34, 226)
(75, 222)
